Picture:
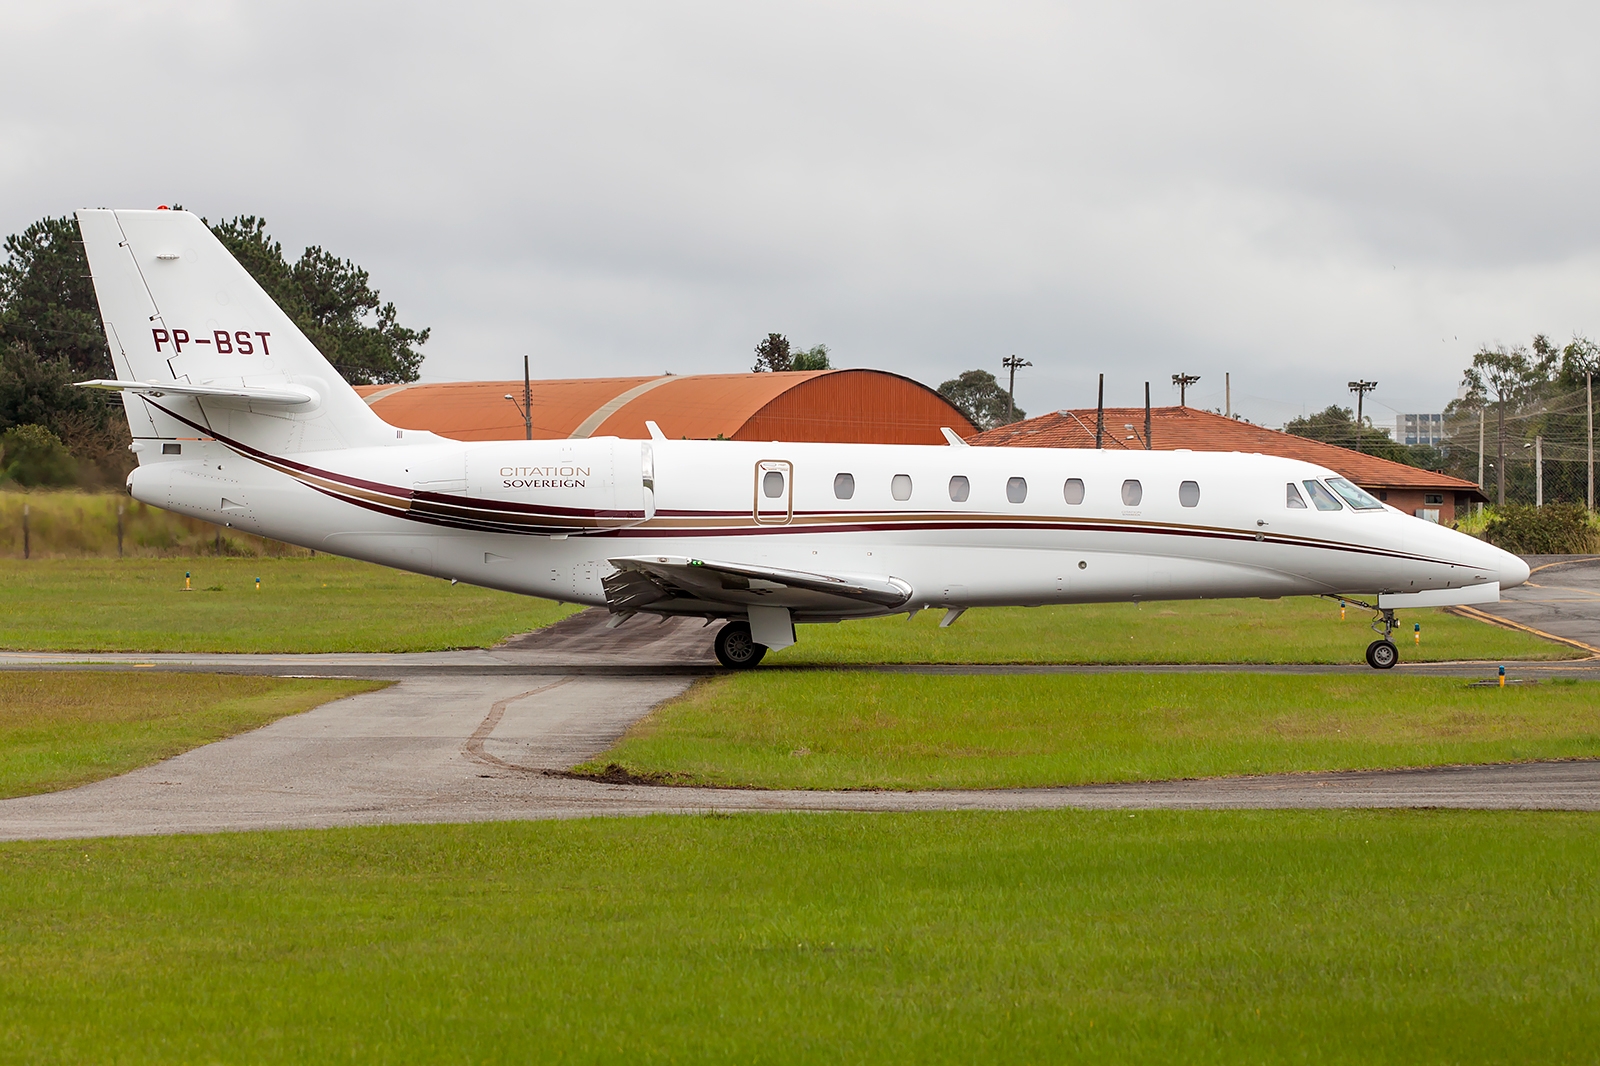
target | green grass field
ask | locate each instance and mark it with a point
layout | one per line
(73, 524)
(1294, 630)
(330, 604)
(321, 604)
(871, 730)
(61, 730)
(1359, 937)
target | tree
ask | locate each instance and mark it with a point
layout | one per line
(812, 358)
(36, 391)
(34, 457)
(333, 302)
(1512, 377)
(1337, 425)
(772, 355)
(47, 301)
(979, 397)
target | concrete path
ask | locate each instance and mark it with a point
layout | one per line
(1561, 598)
(483, 748)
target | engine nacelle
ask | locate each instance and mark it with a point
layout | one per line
(553, 487)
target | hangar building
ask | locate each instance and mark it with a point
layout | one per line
(839, 406)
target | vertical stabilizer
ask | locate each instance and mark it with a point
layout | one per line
(179, 309)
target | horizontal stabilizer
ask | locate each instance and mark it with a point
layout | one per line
(278, 396)
(1488, 593)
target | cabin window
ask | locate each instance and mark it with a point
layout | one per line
(1295, 499)
(1189, 493)
(844, 486)
(900, 487)
(1357, 497)
(1073, 490)
(772, 484)
(960, 489)
(1017, 489)
(1322, 497)
(1132, 493)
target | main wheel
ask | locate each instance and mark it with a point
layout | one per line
(736, 649)
(1382, 654)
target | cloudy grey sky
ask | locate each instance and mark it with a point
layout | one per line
(1296, 194)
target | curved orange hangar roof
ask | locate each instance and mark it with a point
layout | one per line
(841, 406)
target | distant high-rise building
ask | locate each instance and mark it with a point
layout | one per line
(1419, 429)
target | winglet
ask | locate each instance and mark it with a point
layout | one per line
(655, 430)
(953, 437)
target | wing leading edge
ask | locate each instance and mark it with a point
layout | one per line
(680, 585)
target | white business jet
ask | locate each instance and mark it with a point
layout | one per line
(237, 419)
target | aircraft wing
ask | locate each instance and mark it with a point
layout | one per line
(682, 585)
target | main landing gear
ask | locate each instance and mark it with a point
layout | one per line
(736, 648)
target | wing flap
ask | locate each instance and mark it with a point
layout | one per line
(661, 582)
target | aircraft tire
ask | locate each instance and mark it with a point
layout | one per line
(736, 649)
(1382, 654)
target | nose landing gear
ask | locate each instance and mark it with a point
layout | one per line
(1381, 653)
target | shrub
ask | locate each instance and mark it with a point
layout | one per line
(32, 456)
(1554, 529)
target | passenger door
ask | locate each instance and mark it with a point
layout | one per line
(774, 492)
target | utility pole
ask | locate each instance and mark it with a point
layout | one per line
(1227, 394)
(1183, 381)
(1500, 450)
(1480, 453)
(1361, 388)
(1100, 414)
(1538, 471)
(1588, 410)
(1147, 444)
(1013, 364)
(525, 408)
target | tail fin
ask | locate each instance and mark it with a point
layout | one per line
(179, 310)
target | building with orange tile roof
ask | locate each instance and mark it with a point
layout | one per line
(839, 406)
(1425, 493)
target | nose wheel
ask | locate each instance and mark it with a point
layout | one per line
(1382, 654)
(736, 648)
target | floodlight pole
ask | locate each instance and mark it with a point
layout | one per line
(525, 408)
(1183, 381)
(1588, 410)
(1361, 388)
(1013, 364)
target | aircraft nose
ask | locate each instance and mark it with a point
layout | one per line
(1513, 571)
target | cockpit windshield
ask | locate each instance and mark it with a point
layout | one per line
(1321, 497)
(1357, 497)
(1294, 497)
